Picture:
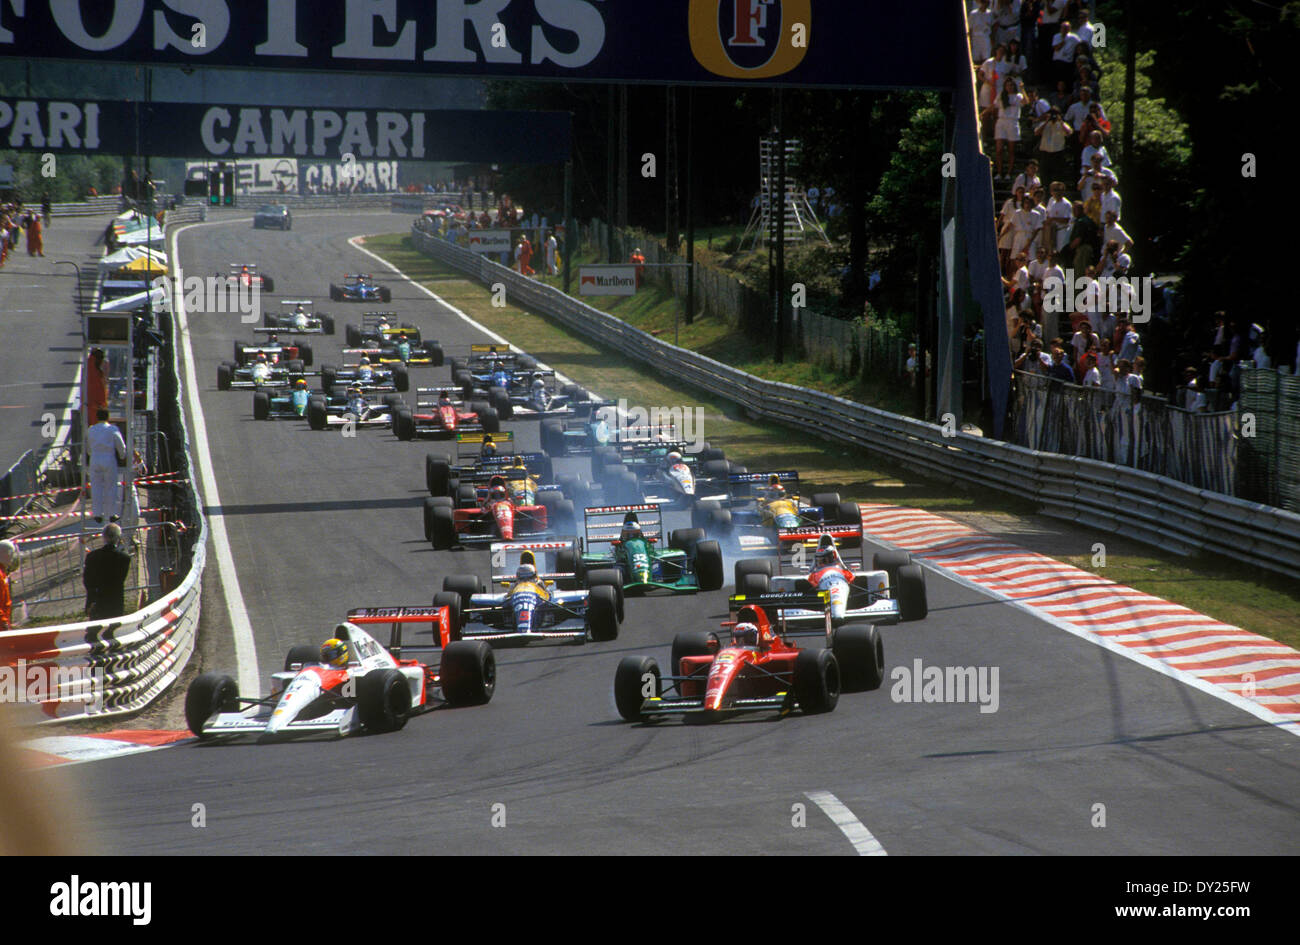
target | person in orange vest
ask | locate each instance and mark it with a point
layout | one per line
(638, 260)
(525, 257)
(96, 385)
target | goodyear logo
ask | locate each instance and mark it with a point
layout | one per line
(750, 39)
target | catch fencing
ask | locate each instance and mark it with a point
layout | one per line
(1137, 504)
(1269, 409)
(1113, 426)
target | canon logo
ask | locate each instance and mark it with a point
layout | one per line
(370, 29)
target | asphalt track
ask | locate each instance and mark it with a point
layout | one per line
(318, 524)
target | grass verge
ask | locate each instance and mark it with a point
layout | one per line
(1245, 597)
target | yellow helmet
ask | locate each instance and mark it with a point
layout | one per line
(334, 652)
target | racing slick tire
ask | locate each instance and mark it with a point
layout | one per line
(912, 603)
(499, 397)
(451, 601)
(719, 522)
(352, 334)
(271, 320)
(751, 584)
(404, 424)
(827, 500)
(261, 405)
(608, 577)
(385, 294)
(437, 473)
(239, 347)
(685, 539)
(391, 401)
(701, 510)
(692, 643)
(566, 518)
(849, 513)
(708, 565)
(268, 284)
(463, 585)
(442, 529)
(401, 378)
(431, 504)
(715, 469)
(468, 673)
(301, 654)
(605, 456)
(304, 352)
(383, 700)
(630, 683)
(490, 419)
(456, 365)
(745, 566)
(433, 351)
(526, 363)
(336, 293)
(710, 454)
(208, 694)
(466, 496)
(329, 375)
(465, 381)
(553, 437)
(327, 324)
(816, 681)
(861, 655)
(602, 613)
(296, 366)
(225, 373)
(566, 562)
(890, 562)
(316, 413)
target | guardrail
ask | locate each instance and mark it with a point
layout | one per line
(91, 206)
(1135, 504)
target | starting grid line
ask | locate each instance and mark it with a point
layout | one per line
(1245, 669)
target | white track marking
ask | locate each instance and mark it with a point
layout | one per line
(250, 683)
(842, 817)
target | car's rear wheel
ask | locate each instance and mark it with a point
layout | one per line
(719, 522)
(464, 585)
(437, 473)
(752, 584)
(225, 374)
(466, 496)
(327, 324)
(352, 334)
(635, 676)
(209, 694)
(443, 530)
(431, 506)
(745, 566)
(304, 353)
(261, 405)
(302, 654)
(316, 416)
(490, 419)
(404, 423)
(401, 378)
(499, 397)
(552, 437)
(383, 700)
(692, 643)
(890, 562)
(816, 681)
(685, 539)
(861, 655)
(608, 577)
(912, 602)
(468, 673)
(433, 352)
(602, 613)
(386, 294)
(708, 565)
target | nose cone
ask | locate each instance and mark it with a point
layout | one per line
(300, 693)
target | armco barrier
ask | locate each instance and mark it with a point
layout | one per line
(1135, 504)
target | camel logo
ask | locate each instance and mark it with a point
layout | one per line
(750, 39)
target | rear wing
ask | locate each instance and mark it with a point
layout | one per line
(236, 268)
(397, 617)
(305, 303)
(481, 349)
(506, 557)
(452, 392)
(604, 524)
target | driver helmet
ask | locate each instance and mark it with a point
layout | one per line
(300, 383)
(526, 572)
(334, 652)
(631, 529)
(518, 462)
(745, 634)
(497, 493)
(444, 397)
(673, 458)
(489, 446)
(826, 552)
(538, 383)
(364, 360)
(354, 391)
(261, 356)
(298, 309)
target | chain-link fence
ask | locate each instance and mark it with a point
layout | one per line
(1269, 409)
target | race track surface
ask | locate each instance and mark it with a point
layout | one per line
(318, 524)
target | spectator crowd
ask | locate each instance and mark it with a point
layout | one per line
(1061, 220)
